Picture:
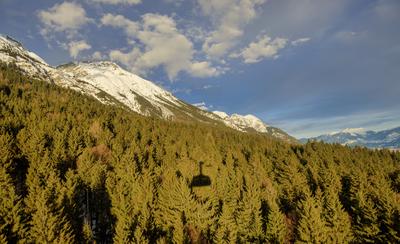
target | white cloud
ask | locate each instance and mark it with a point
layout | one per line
(128, 59)
(97, 55)
(75, 47)
(67, 16)
(229, 18)
(264, 47)
(300, 41)
(115, 2)
(163, 45)
(130, 27)
(203, 69)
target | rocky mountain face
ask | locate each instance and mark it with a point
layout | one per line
(359, 137)
(111, 84)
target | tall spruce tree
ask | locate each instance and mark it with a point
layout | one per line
(276, 228)
(312, 226)
(12, 225)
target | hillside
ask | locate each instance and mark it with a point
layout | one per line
(74, 170)
(111, 84)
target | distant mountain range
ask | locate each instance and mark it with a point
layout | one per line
(111, 84)
(359, 137)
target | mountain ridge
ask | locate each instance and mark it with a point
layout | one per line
(389, 138)
(111, 84)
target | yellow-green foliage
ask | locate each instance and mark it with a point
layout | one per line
(12, 226)
(77, 171)
(312, 226)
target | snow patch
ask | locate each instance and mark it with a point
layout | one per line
(221, 114)
(354, 130)
(351, 131)
(201, 105)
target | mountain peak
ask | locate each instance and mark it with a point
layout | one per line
(352, 131)
(102, 63)
(243, 122)
(10, 40)
(12, 51)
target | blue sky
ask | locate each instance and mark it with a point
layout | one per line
(306, 66)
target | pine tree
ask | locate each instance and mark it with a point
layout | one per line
(292, 182)
(132, 204)
(338, 221)
(249, 218)
(48, 226)
(12, 225)
(228, 189)
(364, 212)
(48, 223)
(178, 212)
(7, 151)
(276, 228)
(174, 202)
(388, 207)
(311, 227)
(366, 226)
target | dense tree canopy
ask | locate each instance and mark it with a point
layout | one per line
(75, 170)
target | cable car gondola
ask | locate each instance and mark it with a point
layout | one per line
(200, 180)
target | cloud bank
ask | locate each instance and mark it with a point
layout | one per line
(163, 45)
(229, 18)
(155, 41)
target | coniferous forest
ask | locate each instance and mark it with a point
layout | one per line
(76, 171)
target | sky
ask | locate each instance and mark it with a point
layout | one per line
(306, 66)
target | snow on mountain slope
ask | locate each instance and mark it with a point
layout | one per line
(111, 84)
(105, 81)
(351, 131)
(242, 123)
(250, 123)
(359, 137)
(12, 51)
(123, 86)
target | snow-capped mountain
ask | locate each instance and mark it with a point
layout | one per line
(248, 123)
(123, 86)
(111, 84)
(241, 122)
(360, 137)
(106, 81)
